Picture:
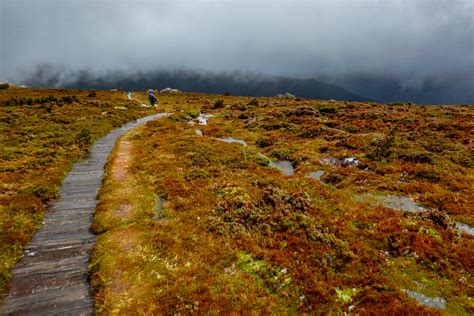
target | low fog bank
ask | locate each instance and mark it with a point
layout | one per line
(429, 89)
(236, 83)
(350, 87)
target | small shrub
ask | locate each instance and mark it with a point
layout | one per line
(218, 104)
(463, 158)
(262, 161)
(427, 175)
(302, 111)
(316, 132)
(92, 94)
(416, 157)
(47, 107)
(45, 193)
(243, 116)
(177, 117)
(281, 154)
(350, 106)
(84, 138)
(253, 102)
(346, 143)
(274, 126)
(333, 178)
(197, 174)
(193, 114)
(67, 99)
(4, 85)
(263, 142)
(323, 149)
(331, 124)
(383, 147)
(352, 129)
(327, 109)
(239, 106)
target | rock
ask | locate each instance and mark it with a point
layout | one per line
(330, 161)
(350, 162)
(286, 96)
(169, 90)
(202, 118)
(345, 162)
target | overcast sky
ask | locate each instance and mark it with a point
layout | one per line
(279, 37)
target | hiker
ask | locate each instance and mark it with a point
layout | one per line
(152, 98)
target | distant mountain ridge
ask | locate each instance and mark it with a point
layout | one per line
(455, 89)
(235, 83)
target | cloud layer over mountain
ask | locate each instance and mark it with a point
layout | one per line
(409, 41)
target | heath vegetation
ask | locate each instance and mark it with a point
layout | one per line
(195, 224)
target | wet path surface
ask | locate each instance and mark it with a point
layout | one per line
(52, 276)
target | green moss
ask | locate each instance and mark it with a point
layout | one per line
(193, 113)
(346, 295)
(274, 279)
(260, 160)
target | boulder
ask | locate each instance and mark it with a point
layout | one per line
(286, 96)
(169, 90)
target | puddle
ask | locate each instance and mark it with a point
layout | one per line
(405, 204)
(202, 118)
(233, 140)
(393, 202)
(159, 203)
(316, 175)
(434, 302)
(284, 166)
(199, 132)
(465, 228)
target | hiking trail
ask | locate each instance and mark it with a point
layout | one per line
(52, 277)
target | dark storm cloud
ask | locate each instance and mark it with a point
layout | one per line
(410, 40)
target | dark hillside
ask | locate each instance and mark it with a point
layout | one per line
(235, 83)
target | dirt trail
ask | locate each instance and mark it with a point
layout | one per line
(122, 161)
(120, 173)
(52, 277)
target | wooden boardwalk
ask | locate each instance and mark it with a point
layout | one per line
(52, 277)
